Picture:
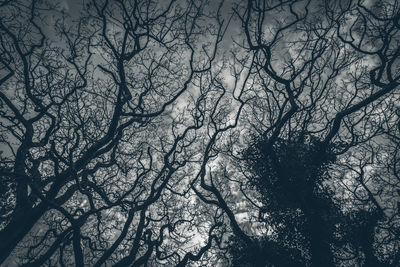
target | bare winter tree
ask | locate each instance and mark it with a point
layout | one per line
(101, 119)
(188, 132)
(323, 93)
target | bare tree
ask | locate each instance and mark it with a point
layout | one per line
(137, 133)
(323, 84)
(101, 118)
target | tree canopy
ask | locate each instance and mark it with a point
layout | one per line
(199, 133)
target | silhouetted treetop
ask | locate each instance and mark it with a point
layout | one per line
(199, 133)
